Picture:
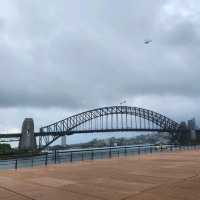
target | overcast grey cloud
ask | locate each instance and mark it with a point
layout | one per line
(67, 56)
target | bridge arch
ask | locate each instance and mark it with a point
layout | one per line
(70, 125)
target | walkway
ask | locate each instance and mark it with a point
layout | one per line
(164, 176)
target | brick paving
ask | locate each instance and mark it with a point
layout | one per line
(162, 176)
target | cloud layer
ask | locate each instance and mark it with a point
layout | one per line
(76, 55)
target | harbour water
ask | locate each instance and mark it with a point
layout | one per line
(74, 155)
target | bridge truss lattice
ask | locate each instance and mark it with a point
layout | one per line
(107, 119)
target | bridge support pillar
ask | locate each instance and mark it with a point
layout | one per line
(27, 139)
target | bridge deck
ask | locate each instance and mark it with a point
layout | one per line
(37, 134)
(163, 176)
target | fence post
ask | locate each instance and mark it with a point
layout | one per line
(139, 150)
(55, 156)
(161, 148)
(92, 155)
(150, 149)
(82, 156)
(118, 153)
(110, 153)
(46, 159)
(125, 151)
(71, 159)
(16, 164)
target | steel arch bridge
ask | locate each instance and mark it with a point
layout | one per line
(107, 119)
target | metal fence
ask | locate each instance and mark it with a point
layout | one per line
(61, 156)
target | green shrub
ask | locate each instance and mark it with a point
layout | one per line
(5, 148)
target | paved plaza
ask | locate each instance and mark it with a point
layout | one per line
(160, 176)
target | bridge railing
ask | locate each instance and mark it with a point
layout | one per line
(62, 156)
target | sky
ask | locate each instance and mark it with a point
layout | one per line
(58, 58)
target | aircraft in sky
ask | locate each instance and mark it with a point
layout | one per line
(147, 41)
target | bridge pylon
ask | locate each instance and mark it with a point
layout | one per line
(27, 139)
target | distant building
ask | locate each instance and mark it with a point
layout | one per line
(192, 127)
(192, 124)
(63, 140)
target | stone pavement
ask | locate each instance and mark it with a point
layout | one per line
(162, 176)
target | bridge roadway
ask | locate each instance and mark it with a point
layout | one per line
(166, 176)
(37, 134)
(62, 133)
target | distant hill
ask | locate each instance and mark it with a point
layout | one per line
(153, 138)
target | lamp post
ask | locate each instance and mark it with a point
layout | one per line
(123, 102)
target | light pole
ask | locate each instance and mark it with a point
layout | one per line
(123, 102)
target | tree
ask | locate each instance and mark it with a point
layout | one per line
(5, 148)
